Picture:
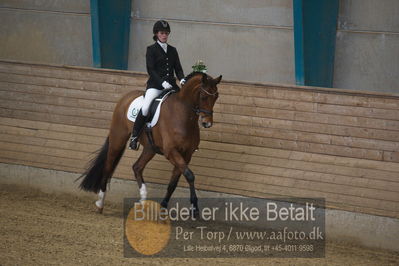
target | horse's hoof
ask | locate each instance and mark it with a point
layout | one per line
(164, 204)
(142, 201)
(196, 213)
(99, 210)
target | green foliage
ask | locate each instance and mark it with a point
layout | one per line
(199, 66)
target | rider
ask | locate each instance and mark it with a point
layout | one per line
(162, 61)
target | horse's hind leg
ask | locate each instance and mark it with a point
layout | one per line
(117, 144)
(138, 168)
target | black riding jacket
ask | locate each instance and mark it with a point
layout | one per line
(161, 66)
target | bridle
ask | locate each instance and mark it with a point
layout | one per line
(198, 110)
(207, 92)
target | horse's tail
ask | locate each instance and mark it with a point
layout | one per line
(93, 177)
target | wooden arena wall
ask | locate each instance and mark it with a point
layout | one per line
(267, 140)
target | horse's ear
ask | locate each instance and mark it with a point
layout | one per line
(217, 80)
(204, 79)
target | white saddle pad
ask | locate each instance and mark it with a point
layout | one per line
(135, 108)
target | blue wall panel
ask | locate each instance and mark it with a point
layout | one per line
(315, 23)
(110, 33)
(95, 33)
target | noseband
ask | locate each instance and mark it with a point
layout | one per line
(206, 112)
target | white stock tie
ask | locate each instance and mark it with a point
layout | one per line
(164, 46)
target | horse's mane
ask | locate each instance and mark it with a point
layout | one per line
(192, 74)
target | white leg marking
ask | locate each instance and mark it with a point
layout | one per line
(101, 199)
(143, 192)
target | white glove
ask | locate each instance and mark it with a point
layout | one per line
(182, 81)
(166, 85)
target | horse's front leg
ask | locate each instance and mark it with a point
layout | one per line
(172, 186)
(182, 165)
(190, 177)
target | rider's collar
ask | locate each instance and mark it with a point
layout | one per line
(164, 45)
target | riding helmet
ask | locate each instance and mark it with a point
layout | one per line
(161, 25)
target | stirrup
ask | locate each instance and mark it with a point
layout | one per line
(134, 145)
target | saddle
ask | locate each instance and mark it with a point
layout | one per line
(155, 103)
(152, 116)
(154, 112)
(155, 106)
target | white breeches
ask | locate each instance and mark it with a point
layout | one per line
(150, 95)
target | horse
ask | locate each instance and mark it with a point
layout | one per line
(176, 135)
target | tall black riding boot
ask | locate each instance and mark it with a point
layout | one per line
(137, 128)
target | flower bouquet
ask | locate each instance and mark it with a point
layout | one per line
(199, 66)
